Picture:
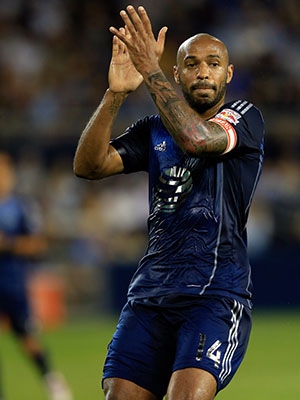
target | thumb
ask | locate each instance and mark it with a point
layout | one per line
(161, 39)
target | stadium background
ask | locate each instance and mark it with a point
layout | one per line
(54, 57)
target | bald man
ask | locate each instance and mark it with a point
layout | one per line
(185, 327)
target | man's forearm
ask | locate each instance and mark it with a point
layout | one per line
(92, 152)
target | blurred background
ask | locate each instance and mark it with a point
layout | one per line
(54, 58)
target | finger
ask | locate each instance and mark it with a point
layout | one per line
(122, 45)
(115, 46)
(127, 33)
(145, 20)
(118, 46)
(114, 30)
(118, 32)
(129, 21)
(139, 20)
(161, 38)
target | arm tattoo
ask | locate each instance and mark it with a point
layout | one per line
(159, 88)
(193, 135)
(115, 105)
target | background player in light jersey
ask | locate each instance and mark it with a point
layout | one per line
(21, 240)
(185, 327)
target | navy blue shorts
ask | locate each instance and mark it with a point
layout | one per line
(152, 342)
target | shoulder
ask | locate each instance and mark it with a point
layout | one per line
(243, 115)
(236, 110)
(247, 121)
(138, 132)
(140, 128)
(147, 121)
(133, 144)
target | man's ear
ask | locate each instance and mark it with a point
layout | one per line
(176, 75)
(230, 70)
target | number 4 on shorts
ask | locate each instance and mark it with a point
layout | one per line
(214, 354)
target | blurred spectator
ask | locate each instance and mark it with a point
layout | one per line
(21, 240)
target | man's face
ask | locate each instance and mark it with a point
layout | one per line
(203, 72)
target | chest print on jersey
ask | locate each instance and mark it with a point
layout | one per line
(161, 146)
(173, 187)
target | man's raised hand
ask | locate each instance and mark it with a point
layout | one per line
(144, 50)
(122, 76)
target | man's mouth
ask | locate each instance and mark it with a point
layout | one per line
(202, 86)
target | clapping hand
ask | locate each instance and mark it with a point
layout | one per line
(123, 76)
(140, 44)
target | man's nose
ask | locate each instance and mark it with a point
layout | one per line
(203, 71)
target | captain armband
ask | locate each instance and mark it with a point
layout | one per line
(230, 132)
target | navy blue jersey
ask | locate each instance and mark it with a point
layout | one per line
(198, 209)
(15, 220)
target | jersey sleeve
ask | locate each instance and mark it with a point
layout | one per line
(243, 124)
(133, 146)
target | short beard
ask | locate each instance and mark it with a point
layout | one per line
(204, 104)
(200, 106)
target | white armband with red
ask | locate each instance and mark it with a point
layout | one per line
(230, 132)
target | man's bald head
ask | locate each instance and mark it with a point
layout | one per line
(202, 39)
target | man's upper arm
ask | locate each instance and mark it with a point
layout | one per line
(243, 124)
(114, 163)
(133, 146)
